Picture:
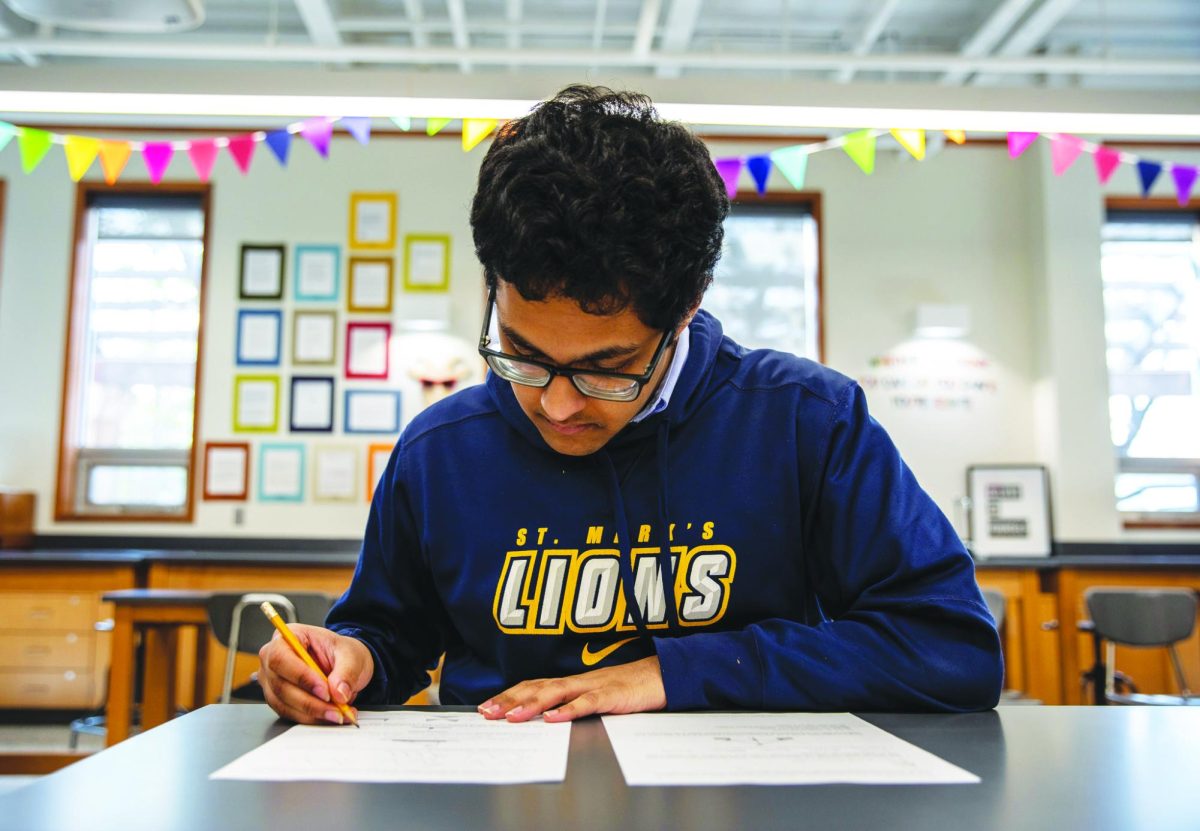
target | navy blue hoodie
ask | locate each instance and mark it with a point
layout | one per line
(808, 569)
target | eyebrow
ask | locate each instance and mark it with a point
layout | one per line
(608, 353)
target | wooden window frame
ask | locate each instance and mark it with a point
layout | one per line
(65, 503)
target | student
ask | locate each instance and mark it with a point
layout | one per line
(635, 513)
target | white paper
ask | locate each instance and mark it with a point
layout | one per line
(314, 338)
(426, 263)
(409, 746)
(258, 338)
(261, 270)
(318, 274)
(379, 460)
(336, 475)
(256, 404)
(370, 286)
(312, 405)
(372, 221)
(372, 412)
(282, 472)
(368, 351)
(769, 749)
(225, 471)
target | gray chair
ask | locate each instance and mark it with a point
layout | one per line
(239, 625)
(1143, 618)
(995, 603)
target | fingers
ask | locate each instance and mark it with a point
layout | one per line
(292, 688)
(531, 698)
(353, 666)
(635, 687)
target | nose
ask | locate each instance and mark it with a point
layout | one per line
(560, 399)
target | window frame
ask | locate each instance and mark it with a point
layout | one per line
(70, 487)
(1143, 520)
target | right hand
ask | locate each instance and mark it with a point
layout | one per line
(296, 692)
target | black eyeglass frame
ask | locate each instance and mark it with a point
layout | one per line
(567, 372)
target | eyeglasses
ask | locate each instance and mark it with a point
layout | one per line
(594, 383)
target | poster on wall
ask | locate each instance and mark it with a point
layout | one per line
(261, 273)
(1009, 512)
(335, 473)
(226, 470)
(367, 350)
(373, 220)
(255, 403)
(317, 275)
(427, 262)
(259, 337)
(314, 338)
(281, 472)
(370, 285)
(372, 411)
(311, 409)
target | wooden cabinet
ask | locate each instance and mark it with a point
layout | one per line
(1030, 633)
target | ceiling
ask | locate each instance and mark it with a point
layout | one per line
(1094, 44)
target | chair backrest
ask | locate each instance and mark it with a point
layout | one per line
(1142, 617)
(254, 629)
(995, 603)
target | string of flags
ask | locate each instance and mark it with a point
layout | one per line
(792, 161)
(114, 155)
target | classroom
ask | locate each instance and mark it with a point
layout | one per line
(869, 494)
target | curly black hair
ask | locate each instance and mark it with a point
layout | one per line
(592, 197)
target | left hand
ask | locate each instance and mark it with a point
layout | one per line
(635, 687)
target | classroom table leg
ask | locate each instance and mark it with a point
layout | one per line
(119, 709)
(158, 691)
(200, 683)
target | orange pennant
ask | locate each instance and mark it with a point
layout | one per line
(956, 136)
(114, 155)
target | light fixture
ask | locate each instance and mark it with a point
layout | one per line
(940, 320)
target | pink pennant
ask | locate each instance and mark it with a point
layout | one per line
(1018, 143)
(1107, 161)
(318, 132)
(202, 152)
(729, 169)
(1064, 150)
(1185, 177)
(157, 155)
(242, 150)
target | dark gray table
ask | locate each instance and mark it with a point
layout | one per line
(1061, 768)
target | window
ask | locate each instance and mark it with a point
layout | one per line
(1150, 263)
(766, 288)
(130, 403)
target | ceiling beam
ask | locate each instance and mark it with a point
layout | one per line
(318, 20)
(512, 15)
(647, 23)
(866, 42)
(678, 33)
(988, 35)
(416, 17)
(1033, 31)
(458, 30)
(599, 24)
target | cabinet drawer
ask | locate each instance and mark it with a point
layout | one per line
(61, 650)
(63, 689)
(48, 610)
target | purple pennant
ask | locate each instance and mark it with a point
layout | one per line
(318, 131)
(357, 126)
(1148, 172)
(760, 169)
(1184, 176)
(729, 170)
(157, 155)
(279, 141)
(1018, 143)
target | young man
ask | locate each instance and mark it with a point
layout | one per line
(635, 513)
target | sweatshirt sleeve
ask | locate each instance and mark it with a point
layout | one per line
(388, 603)
(900, 622)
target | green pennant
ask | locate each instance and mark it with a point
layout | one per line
(402, 121)
(860, 146)
(792, 163)
(6, 133)
(34, 146)
(434, 125)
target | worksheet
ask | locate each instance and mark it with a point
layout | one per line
(412, 746)
(769, 749)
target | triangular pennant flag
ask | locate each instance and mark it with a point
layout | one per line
(476, 130)
(34, 146)
(911, 140)
(242, 150)
(81, 152)
(1064, 150)
(279, 141)
(404, 122)
(792, 163)
(433, 126)
(1185, 177)
(357, 126)
(7, 131)
(157, 156)
(729, 169)
(956, 136)
(318, 131)
(860, 146)
(1147, 173)
(760, 170)
(203, 152)
(114, 155)
(1107, 160)
(1018, 143)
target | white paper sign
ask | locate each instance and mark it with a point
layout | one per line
(317, 274)
(372, 412)
(315, 342)
(427, 263)
(256, 404)
(336, 473)
(282, 473)
(258, 338)
(368, 351)
(370, 286)
(225, 471)
(261, 272)
(372, 221)
(312, 405)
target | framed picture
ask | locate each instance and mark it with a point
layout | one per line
(226, 471)
(335, 473)
(255, 403)
(372, 411)
(373, 221)
(259, 337)
(427, 262)
(377, 459)
(314, 338)
(370, 285)
(367, 350)
(1009, 511)
(318, 270)
(311, 408)
(281, 472)
(261, 272)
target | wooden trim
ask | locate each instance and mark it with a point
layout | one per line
(3, 195)
(1135, 524)
(1156, 203)
(36, 764)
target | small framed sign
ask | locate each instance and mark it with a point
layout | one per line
(373, 221)
(427, 262)
(261, 272)
(226, 470)
(1009, 511)
(318, 272)
(370, 285)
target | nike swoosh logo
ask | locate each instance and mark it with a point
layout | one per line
(591, 658)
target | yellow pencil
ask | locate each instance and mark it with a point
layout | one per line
(299, 649)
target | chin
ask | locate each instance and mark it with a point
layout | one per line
(584, 445)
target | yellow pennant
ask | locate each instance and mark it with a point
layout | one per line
(476, 130)
(911, 140)
(956, 136)
(81, 152)
(114, 155)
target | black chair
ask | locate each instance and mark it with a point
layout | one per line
(1141, 618)
(239, 625)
